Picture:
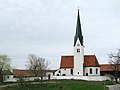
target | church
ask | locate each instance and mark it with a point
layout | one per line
(78, 64)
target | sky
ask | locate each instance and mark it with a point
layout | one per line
(47, 28)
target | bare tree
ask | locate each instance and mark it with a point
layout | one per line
(4, 65)
(32, 64)
(114, 60)
(37, 66)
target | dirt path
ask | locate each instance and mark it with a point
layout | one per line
(114, 87)
(2, 86)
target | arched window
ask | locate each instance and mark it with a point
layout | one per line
(78, 50)
(71, 71)
(59, 72)
(90, 70)
(64, 75)
(96, 71)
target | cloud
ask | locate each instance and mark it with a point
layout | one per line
(47, 28)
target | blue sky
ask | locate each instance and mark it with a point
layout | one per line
(47, 28)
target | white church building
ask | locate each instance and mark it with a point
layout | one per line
(78, 64)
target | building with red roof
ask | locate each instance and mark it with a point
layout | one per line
(73, 65)
(109, 69)
(78, 64)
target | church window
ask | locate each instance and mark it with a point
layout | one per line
(86, 74)
(78, 50)
(59, 71)
(78, 72)
(71, 71)
(64, 75)
(90, 70)
(96, 71)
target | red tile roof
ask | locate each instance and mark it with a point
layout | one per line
(90, 61)
(107, 67)
(18, 72)
(68, 61)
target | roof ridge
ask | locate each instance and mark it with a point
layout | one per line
(90, 55)
(67, 56)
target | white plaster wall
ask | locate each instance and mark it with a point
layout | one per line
(51, 74)
(10, 79)
(87, 70)
(66, 71)
(31, 78)
(87, 78)
(57, 72)
(78, 59)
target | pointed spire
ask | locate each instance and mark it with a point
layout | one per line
(78, 31)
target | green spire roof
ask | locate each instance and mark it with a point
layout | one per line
(78, 31)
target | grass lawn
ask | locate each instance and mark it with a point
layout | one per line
(62, 85)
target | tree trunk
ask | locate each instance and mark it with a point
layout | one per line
(41, 79)
(116, 79)
(1, 78)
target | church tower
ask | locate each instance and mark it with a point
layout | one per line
(78, 49)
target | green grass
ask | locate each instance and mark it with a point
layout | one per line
(63, 85)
